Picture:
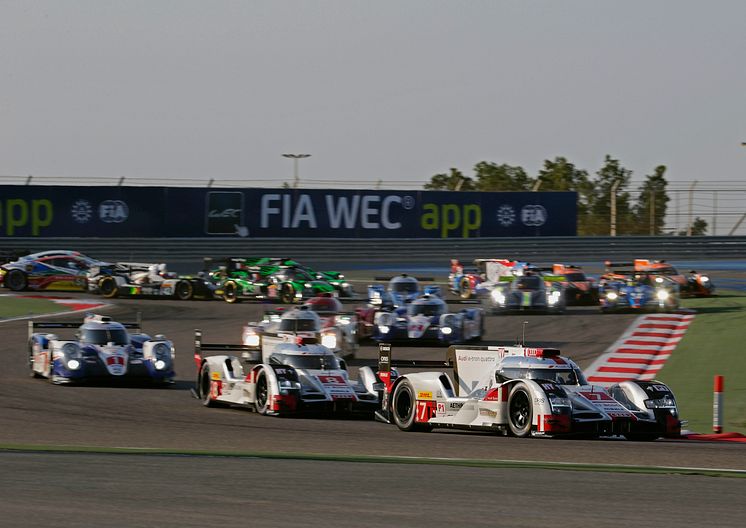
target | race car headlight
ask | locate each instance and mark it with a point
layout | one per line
(704, 279)
(344, 319)
(612, 296)
(376, 300)
(666, 402)
(498, 297)
(307, 285)
(73, 364)
(160, 364)
(662, 295)
(345, 284)
(329, 341)
(446, 330)
(558, 404)
(251, 340)
(384, 329)
(71, 351)
(659, 279)
(553, 297)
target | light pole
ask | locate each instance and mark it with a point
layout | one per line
(295, 158)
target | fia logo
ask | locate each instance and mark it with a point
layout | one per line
(533, 215)
(113, 211)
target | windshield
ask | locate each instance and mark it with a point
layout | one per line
(298, 325)
(102, 336)
(426, 309)
(319, 362)
(575, 277)
(532, 282)
(404, 287)
(558, 376)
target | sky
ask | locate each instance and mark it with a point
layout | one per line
(391, 90)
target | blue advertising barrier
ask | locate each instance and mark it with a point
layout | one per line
(72, 211)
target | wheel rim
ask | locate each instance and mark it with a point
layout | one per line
(16, 280)
(403, 405)
(519, 410)
(229, 291)
(287, 294)
(465, 289)
(205, 386)
(183, 290)
(107, 287)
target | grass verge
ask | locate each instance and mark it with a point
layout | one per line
(715, 343)
(13, 306)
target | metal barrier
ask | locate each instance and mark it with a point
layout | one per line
(361, 252)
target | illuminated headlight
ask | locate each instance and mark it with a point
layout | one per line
(307, 285)
(251, 340)
(662, 295)
(376, 300)
(345, 284)
(553, 297)
(329, 341)
(384, 329)
(704, 279)
(446, 330)
(498, 297)
(612, 296)
(344, 320)
(659, 279)
(160, 364)
(667, 402)
(73, 364)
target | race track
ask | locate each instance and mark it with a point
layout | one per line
(34, 412)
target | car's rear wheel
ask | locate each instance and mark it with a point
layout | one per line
(184, 290)
(464, 288)
(108, 287)
(520, 411)
(262, 397)
(230, 292)
(16, 280)
(287, 293)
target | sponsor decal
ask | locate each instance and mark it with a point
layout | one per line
(505, 215)
(533, 215)
(215, 375)
(455, 405)
(424, 395)
(424, 411)
(81, 211)
(113, 211)
(487, 412)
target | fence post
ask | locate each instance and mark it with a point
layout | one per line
(717, 406)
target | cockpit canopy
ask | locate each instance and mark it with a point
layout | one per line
(429, 308)
(529, 282)
(306, 361)
(103, 336)
(560, 376)
(404, 285)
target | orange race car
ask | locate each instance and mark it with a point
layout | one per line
(692, 284)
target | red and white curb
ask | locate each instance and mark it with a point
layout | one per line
(642, 350)
(74, 305)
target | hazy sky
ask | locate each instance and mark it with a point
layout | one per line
(393, 90)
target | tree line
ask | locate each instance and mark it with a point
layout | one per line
(644, 215)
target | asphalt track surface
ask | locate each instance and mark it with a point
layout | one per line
(34, 412)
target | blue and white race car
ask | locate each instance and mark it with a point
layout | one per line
(400, 291)
(639, 292)
(101, 349)
(427, 319)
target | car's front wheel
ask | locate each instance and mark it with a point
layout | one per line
(520, 411)
(108, 287)
(404, 408)
(16, 280)
(287, 293)
(184, 290)
(205, 387)
(464, 288)
(262, 396)
(230, 292)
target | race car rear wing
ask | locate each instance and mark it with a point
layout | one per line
(34, 325)
(421, 279)
(200, 348)
(471, 364)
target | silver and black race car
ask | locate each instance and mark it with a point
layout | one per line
(138, 279)
(527, 293)
(101, 349)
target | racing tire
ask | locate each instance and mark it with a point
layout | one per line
(404, 408)
(184, 290)
(204, 385)
(32, 372)
(230, 292)
(287, 293)
(464, 288)
(16, 280)
(262, 396)
(108, 287)
(520, 411)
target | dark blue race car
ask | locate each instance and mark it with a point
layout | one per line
(100, 350)
(638, 292)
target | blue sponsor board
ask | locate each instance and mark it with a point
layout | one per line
(56, 211)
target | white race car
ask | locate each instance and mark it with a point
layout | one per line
(523, 391)
(290, 377)
(338, 333)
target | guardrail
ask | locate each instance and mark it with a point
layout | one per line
(380, 251)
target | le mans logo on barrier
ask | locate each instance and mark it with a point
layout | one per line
(224, 213)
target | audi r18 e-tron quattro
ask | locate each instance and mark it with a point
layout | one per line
(337, 332)
(522, 391)
(101, 349)
(48, 270)
(428, 319)
(291, 377)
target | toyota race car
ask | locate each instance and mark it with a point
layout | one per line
(338, 333)
(523, 392)
(294, 376)
(427, 319)
(48, 270)
(101, 349)
(401, 290)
